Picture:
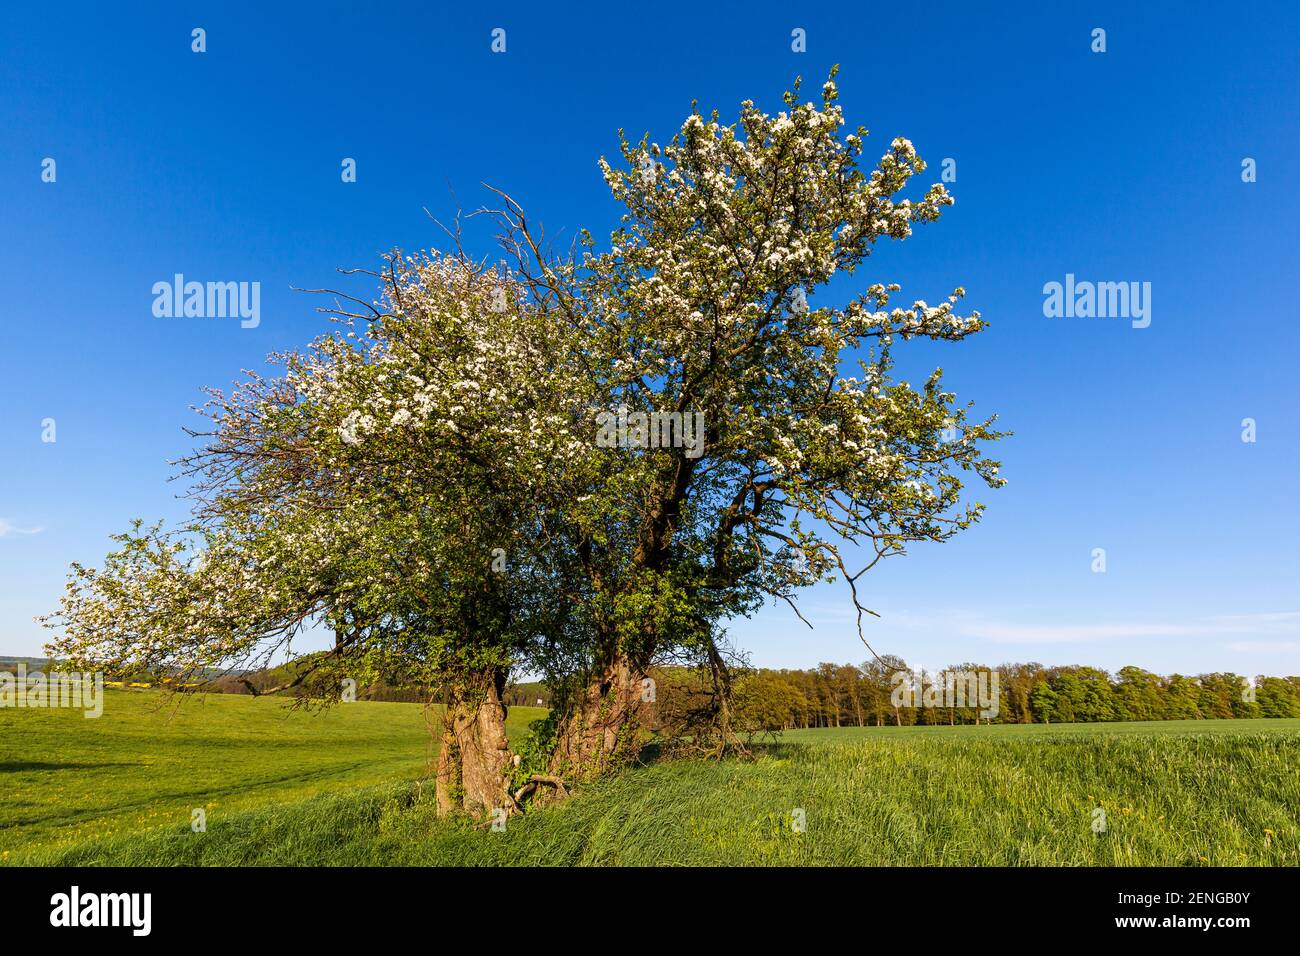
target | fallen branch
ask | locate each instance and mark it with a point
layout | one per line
(534, 782)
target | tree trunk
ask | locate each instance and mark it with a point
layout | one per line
(447, 787)
(604, 727)
(474, 760)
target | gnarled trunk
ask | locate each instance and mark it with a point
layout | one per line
(447, 786)
(474, 759)
(605, 726)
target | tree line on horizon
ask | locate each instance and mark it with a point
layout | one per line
(849, 695)
(845, 695)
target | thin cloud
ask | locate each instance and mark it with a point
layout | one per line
(10, 530)
(1280, 617)
(1281, 622)
(1075, 633)
(967, 624)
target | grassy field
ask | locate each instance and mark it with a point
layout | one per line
(147, 763)
(338, 789)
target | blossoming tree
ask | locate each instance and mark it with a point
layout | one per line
(390, 485)
(708, 289)
(430, 484)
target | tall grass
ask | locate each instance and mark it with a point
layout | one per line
(931, 797)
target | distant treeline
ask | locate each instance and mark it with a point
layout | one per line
(845, 695)
(842, 695)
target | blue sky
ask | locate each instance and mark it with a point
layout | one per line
(1115, 166)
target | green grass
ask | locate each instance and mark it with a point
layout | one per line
(147, 762)
(1191, 793)
(1144, 728)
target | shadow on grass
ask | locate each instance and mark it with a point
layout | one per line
(18, 766)
(766, 745)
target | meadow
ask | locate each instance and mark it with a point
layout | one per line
(342, 788)
(152, 758)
